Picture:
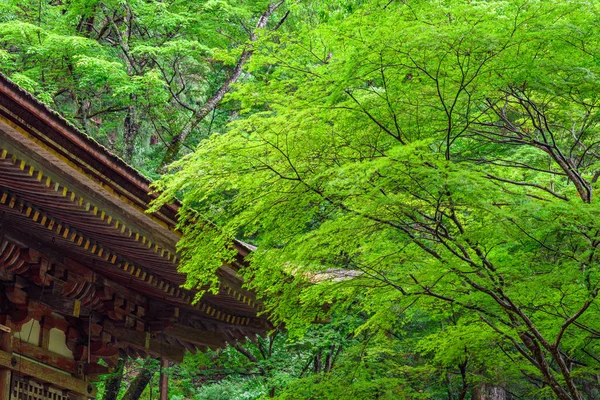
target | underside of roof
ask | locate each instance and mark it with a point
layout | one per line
(75, 237)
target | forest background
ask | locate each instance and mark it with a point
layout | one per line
(419, 178)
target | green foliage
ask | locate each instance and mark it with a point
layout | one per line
(432, 159)
(425, 169)
(128, 73)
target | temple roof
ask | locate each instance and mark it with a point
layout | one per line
(72, 214)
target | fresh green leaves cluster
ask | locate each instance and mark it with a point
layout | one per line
(432, 158)
(128, 73)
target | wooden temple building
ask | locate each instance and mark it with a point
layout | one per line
(86, 275)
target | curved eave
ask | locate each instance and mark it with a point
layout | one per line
(72, 181)
(37, 122)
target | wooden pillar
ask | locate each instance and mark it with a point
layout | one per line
(5, 345)
(164, 379)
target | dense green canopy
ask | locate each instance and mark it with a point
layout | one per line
(444, 152)
(419, 177)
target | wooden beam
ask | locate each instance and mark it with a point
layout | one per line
(199, 337)
(26, 367)
(93, 372)
(5, 345)
(137, 339)
(46, 357)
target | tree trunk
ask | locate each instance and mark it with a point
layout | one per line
(86, 25)
(82, 112)
(137, 386)
(178, 140)
(462, 367)
(164, 380)
(131, 127)
(248, 354)
(331, 356)
(113, 383)
(490, 392)
(215, 99)
(131, 123)
(317, 363)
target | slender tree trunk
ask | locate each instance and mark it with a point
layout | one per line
(131, 127)
(317, 363)
(331, 357)
(215, 99)
(137, 386)
(86, 25)
(164, 380)
(82, 112)
(248, 354)
(113, 383)
(131, 123)
(462, 367)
